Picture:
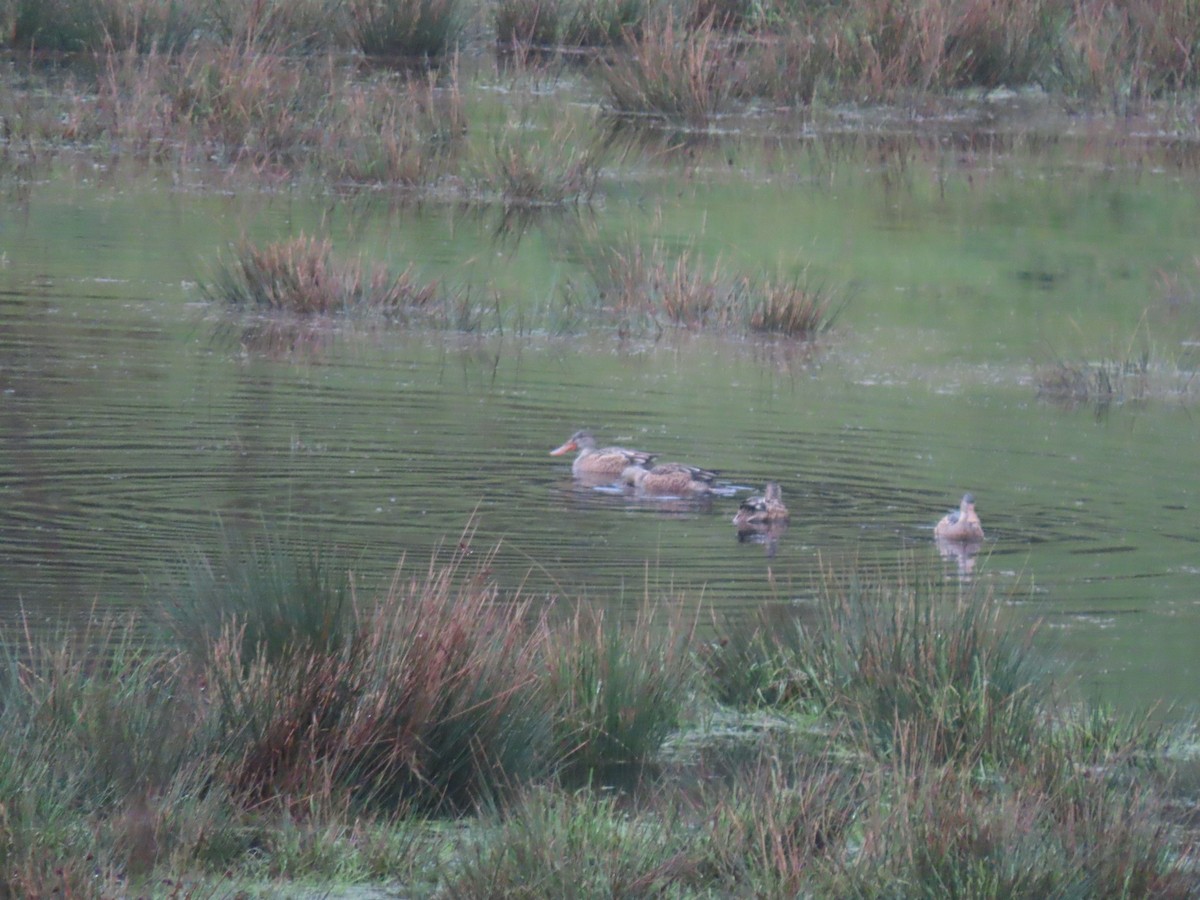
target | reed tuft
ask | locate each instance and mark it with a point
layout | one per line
(926, 660)
(417, 30)
(683, 74)
(618, 688)
(531, 166)
(650, 287)
(425, 699)
(300, 276)
(790, 308)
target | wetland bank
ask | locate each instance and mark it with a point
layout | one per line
(279, 309)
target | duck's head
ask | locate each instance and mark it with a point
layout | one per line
(634, 475)
(580, 440)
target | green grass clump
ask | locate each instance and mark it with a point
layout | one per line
(280, 601)
(759, 661)
(684, 63)
(300, 25)
(618, 689)
(920, 46)
(264, 110)
(540, 24)
(783, 819)
(411, 29)
(945, 832)
(1117, 50)
(949, 768)
(603, 23)
(583, 844)
(99, 731)
(238, 104)
(91, 25)
(926, 660)
(646, 288)
(679, 73)
(527, 23)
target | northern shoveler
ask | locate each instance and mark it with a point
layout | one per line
(962, 525)
(762, 509)
(670, 478)
(593, 460)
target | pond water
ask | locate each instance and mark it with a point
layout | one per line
(134, 419)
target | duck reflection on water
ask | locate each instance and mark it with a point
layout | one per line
(961, 553)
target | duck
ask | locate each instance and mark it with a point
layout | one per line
(675, 478)
(593, 460)
(762, 509)
(962, 525)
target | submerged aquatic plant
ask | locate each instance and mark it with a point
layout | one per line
(1133, 370)
(1100, 383)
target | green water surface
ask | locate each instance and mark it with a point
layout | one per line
(135, 419)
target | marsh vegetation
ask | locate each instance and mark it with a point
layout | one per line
(280, 725)
(445, 734)
(387, 96)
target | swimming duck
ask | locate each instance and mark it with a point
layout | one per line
(962, 525)
(670, 478)
(762, 509)
(600, 461)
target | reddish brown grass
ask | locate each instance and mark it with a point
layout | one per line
(300, 276)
